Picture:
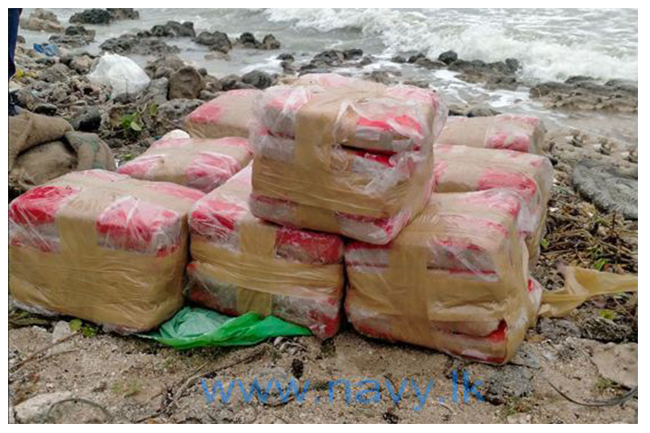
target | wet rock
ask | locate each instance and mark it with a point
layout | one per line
(286, 57)
(269, 42)
(379, 77)
(414, 58)
(216, 41)
(92, 16)
(258, 79)
(513, 65)
(156, 92)
(81, 64)
(248, 40)
(35, 409)
(74, 37)
(605, 330)
(492, 75)
(417, 83)
(557, 330)
(88, 119)
(329, 57)
(425, 62)
(579, 79)
(232, 82)
(352, 53)
(365, 61)
(172, 29)
(448, 57)
(55, 73)
(481, 111)
(42, 21)
(207, 95)
(133, 44)
(607, 187)
(398, 59)
(186, 83)
(510, 381)
(583, 93)
(618, 363)
(80, 31)
(119, 14)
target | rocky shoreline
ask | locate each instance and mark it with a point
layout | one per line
(591, 223)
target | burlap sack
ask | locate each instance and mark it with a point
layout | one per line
(29, 129)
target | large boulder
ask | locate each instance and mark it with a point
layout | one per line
(92, 16)
(42, 21)
(216, 41)
(186, 83)
(119, 14)
(164, 66)
(133, 44)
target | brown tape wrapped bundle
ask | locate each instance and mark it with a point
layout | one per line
(455, 279)
(352, 160)
(227, 115)
(505, 131)
(102, 247)
(463, 169)
(241, 263)
(203, 164)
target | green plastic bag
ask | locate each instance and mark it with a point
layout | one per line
(198, 327)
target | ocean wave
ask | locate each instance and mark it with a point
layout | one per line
(551, 44)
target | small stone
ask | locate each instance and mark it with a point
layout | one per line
(35, 409)
(557, 330)
(398, 59)
(618, 363)
(601, 329)
(508, 382)
(186, 83)
(258, 79)
(448, 57)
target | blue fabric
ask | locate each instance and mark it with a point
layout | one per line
(14, 18)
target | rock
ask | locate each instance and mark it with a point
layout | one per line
(248, 40)
(417, 83)
(269, 42)
(448, 57)
(42, 21)
(527, 356)
(557, 330)
(207, 95)
(618, 363)
(186, 83)
(133, 44)
(429, 64)
(82, 64)
(398, 59)
(286, 57)
(414, 58)
(216, 41)
(493, 75)
(156, 92)
(61, 330)
(607, 188)
(79, 411)
(172, 29)
(513, 65)
(74, 37)
(35, 409)
(353, 53)
(258, 79)
(55, 73)
(164, 66)
(481, 111)
(173, 112)
(119, 14)
(510, 381)
(605, 330)
(329, 57)
(87, 120)
(92, 16)
(583, 93)
(232, 82)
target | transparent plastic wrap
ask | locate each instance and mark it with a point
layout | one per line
(203, 164)
(505, 131)
(102, 247)
(227, 115)
(455, 279)
(241, 263)
(361, 155)
(463, 169)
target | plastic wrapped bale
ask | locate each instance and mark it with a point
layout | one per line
(241, 263)
(455, 279)
(102, 247)
(463, 169)
(228, 115)
(505, 131)
(350, 160)
(203, 164)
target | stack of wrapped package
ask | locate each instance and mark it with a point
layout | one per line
(455, 279)
(102, 247)
(241, 263)
(344, 156)
(505, 131)
(463, 169)
(227, 115)
(203, 164)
